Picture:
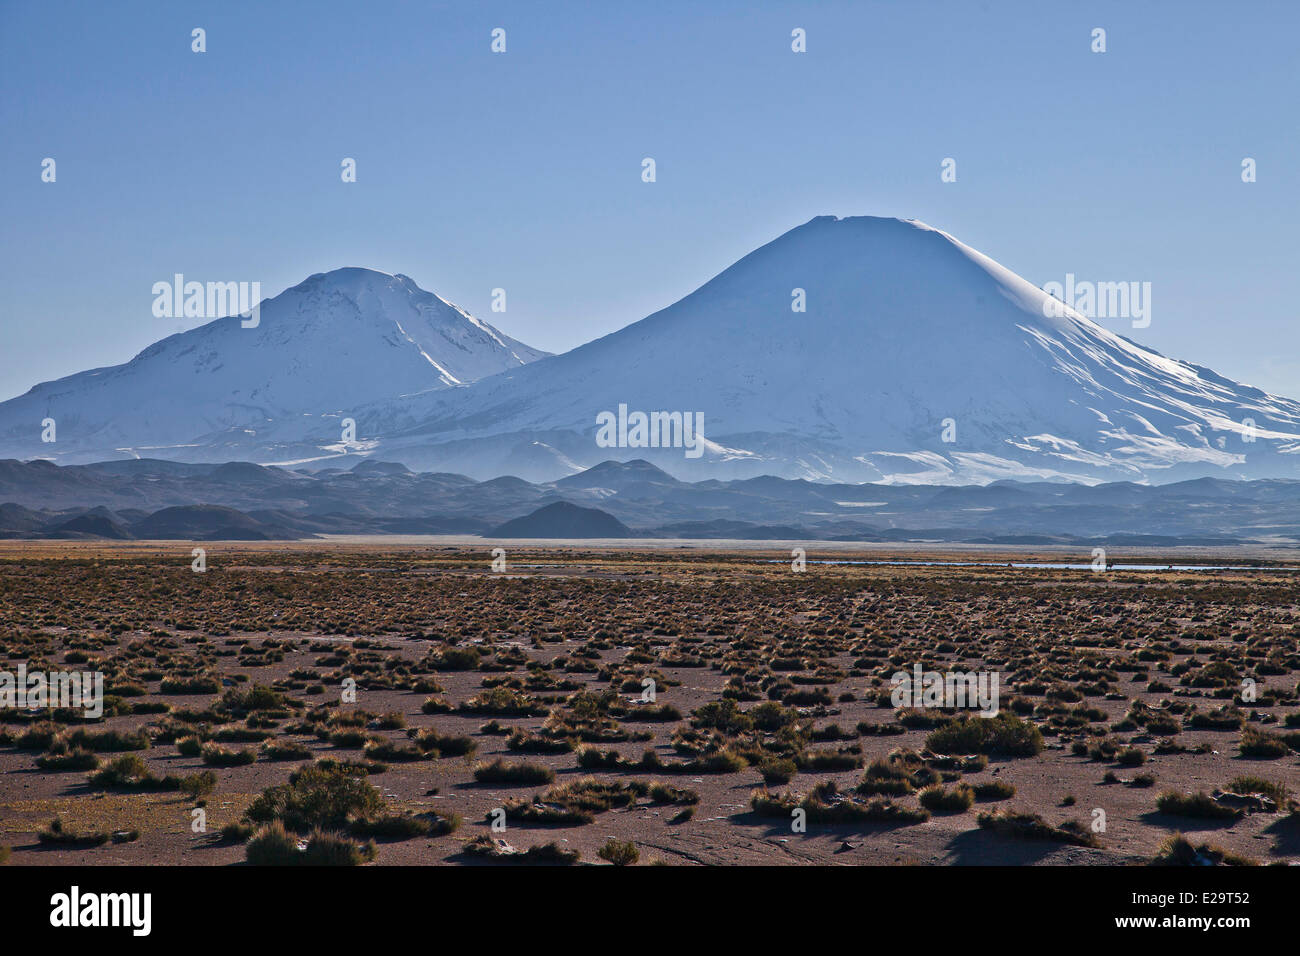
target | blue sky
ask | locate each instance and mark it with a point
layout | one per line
(523, 170)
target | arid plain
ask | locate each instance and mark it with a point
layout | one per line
(359, 702)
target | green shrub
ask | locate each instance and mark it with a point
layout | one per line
(318, 797)
(619, 853)
(197, 785)
(777, 770)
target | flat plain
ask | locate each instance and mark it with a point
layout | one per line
(387, 702)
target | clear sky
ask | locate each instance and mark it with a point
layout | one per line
(522, 170)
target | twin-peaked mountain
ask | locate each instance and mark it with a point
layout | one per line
(915, 359)
(330, 344)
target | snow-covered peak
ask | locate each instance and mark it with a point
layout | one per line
(319, 350)
(869, 348)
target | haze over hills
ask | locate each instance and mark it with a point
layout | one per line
(222, 391)
(908, 338)
(158, 499)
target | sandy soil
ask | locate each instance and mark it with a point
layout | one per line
(139, 610)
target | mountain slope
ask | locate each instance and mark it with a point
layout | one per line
(332, 343)
(904, 328)
(916, 360)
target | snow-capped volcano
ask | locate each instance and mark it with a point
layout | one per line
(908, 338)
(320, 350)
(914, 359)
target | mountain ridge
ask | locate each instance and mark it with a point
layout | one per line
(846, 350)
(166, 499)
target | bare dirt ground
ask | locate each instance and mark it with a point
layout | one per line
(1116, 689)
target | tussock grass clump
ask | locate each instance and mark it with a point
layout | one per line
(574, 803)
(242, 701)
(828, 761)
(662, 793)
(1200, 805)
(596, 795)
(405, 826)
(938, 799)
(499, 851)
(63, 757)
(182, 684)
(1179, 851)
(241, 734)
(536, 813)
(502, 702)
(522, 741)
(274, 845)
(349, 738)
(972, 763)
(1004, 735)
(1261, 745)
(108, 741)
(498, 771)
(1221, 718)
(215, 755)
(1030, 826)
(1277, 792)
(129, 772)
(387, 750)
(897, 774)
(650, 714)
(236, 832)
(455, 659)
(389, 721)
(718, 762)
(439, 745)
(332, 849)
(56, 835)
(285, 750)
(1130, 757)
(994, 790)
(825, 804)
(38, 736)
